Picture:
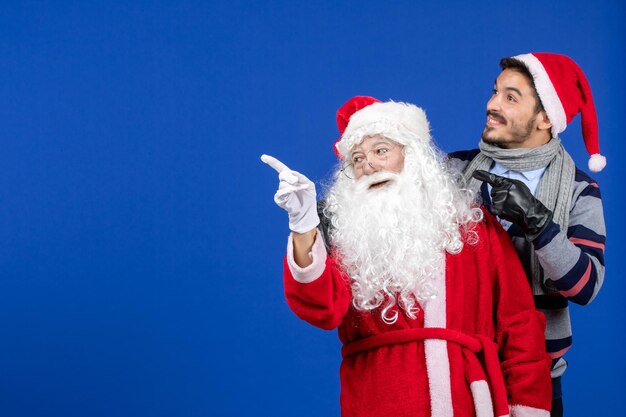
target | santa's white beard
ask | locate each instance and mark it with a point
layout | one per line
(391, 241)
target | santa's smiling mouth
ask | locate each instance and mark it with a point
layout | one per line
(379, 184)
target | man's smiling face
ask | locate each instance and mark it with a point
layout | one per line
(512, 117)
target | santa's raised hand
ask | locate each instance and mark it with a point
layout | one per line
(296, 195)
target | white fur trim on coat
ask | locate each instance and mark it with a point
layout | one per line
(547, 93)
(482, 398)
(437, 360)
(317, 255)
(384, 119)
(525, 411)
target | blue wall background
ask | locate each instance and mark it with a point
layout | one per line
(140, 264)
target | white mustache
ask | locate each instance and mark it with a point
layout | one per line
(364, 183)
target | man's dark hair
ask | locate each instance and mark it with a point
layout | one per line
(517, 65)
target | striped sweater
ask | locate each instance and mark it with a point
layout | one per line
(573, 259)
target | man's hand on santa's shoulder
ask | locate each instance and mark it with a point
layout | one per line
(296, 195)
(512, 200)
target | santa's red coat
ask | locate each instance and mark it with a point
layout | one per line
(476, 349)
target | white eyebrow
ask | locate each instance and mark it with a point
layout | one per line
(383, 141)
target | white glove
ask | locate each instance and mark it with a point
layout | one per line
(296, 194)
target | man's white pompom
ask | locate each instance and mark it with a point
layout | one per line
(597, 162)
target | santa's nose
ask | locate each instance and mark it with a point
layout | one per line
(370, 167)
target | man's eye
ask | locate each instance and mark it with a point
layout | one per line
(357, 158)
(511, 98)
(382, 151)
(494, 92)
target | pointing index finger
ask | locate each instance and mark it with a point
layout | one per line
(274, 163)
(487, 177)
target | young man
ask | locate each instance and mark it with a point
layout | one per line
(428, 295)
(551, 209)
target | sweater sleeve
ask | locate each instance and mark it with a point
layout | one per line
(574, 259)
(519, 329)
(318, 294)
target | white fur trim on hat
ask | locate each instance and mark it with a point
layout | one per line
(546, 92)
(385, 119)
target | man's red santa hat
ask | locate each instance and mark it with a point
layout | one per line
(564, 92)
(364, 116)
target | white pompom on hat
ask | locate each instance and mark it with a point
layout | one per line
(564, 92)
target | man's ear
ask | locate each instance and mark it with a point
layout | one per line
(544, 121)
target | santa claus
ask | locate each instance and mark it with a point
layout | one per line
(428, 295)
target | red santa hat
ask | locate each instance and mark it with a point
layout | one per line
(363, 115)
(564, 92)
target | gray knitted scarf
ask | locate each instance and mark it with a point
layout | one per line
(554, 191)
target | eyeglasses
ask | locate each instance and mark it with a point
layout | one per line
(357, 160)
